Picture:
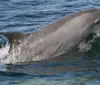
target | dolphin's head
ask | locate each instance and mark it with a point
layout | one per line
(95, 22)
(92, 21)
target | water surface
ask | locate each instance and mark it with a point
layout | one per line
(32, 15)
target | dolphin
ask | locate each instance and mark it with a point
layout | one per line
(71, 32)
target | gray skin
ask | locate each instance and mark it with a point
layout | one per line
(54, 40)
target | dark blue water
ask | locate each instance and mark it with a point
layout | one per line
(31, 15)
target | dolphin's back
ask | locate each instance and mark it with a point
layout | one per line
(57, 24)
(49, 29)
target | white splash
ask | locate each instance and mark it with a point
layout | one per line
(4, 52)
(83, 47)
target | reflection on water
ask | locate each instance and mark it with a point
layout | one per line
(80, 69)
(65, 63)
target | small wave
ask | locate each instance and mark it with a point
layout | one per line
(7, 73)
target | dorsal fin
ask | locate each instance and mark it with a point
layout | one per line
(15, 37)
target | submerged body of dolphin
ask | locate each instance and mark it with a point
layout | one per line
(56, 39)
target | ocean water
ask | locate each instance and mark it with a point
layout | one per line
(33, 15)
